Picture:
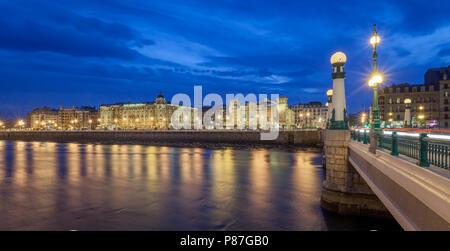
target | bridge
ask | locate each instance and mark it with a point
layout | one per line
(406, 176)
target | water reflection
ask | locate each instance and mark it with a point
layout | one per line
(54, 186)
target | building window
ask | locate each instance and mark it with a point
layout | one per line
(398, 100)
(446, 94)
(446, 109)
(390, 101)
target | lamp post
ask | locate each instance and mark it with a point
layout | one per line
(363, 119)
(407, 119)
(21, 124)
(375, 80)
(307, 119)
(421, 117)
(329, 106)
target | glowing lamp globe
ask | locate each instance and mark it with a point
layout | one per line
(330, 92)
(374, 40)
(375, 80)
(407, 101)
(338, 57)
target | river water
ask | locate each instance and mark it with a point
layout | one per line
(71, 186)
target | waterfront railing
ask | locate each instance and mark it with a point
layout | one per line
(427, 149)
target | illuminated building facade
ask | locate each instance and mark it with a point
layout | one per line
(74, 118)
(310, 115)
(251, 115)
(132, 116)
(42, 118)
(431, 100)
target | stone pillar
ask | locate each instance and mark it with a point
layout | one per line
(344, 191)
(339, 120)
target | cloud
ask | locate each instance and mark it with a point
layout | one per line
(424, 49)
(68, 33)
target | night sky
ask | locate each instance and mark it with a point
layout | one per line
(80, 52)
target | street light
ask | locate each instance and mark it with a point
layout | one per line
(375, 80)
(363, 119)
(421, 117)
(21, 124)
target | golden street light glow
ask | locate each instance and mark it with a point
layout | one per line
(374, 40)
(421, 108)
(330, 92)
(421, 116)
(375, 80)
(390, 120)
(407, 101)
(390, 114)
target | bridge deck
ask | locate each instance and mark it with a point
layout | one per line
(417, 197)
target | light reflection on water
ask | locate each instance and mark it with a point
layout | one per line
(56, 186)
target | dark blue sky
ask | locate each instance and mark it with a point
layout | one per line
(93, 52)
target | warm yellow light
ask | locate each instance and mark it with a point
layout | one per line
(330, 92)
(390, 120)
(99, 120)
(76, 120)
(421, 116)
(21, 123)
(301, 115)
(137, 120)
(390, 114)
(115, 120)
(407, 101)
(307, 114)
(338, 57)
(36, 122)
(375, 80)
(90, 121)
(421, 108)
(374, 40)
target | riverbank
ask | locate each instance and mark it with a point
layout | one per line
(307, 138)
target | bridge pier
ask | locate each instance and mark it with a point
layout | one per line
(344, 191)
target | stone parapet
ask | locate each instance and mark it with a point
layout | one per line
(294, 137)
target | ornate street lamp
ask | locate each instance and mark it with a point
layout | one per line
(375, 80)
